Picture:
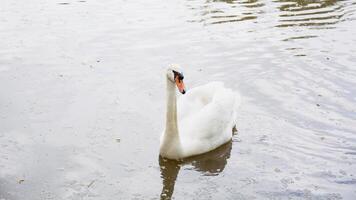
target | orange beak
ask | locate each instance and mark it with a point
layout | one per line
(180, 85)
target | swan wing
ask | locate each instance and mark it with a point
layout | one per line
(206, 116)
(197, 98)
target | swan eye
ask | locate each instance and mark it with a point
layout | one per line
(180, 77)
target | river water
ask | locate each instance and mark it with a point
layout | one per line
(83, 97)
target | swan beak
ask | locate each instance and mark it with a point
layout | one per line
(180, 85)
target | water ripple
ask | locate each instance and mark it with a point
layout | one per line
(312, 13)
(225, 11)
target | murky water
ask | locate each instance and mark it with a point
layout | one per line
(82, 98)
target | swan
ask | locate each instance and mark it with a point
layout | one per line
(200, 121)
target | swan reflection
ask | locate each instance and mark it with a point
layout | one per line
(209, 164)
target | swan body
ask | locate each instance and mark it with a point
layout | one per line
(200, 121)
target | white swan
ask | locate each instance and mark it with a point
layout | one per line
(205, 119)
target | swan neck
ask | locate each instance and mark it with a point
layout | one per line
(171, 115)
(170, 142)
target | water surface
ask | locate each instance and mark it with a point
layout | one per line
(82, 98)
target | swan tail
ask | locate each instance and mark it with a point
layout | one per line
(234, 130)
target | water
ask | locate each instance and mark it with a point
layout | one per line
(82, 98)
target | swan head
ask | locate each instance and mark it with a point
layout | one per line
(175, 74)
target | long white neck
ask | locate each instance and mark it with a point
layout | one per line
(170, 140)
(171, 115)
